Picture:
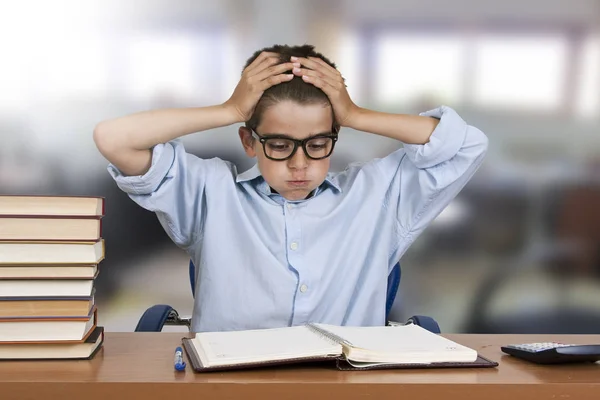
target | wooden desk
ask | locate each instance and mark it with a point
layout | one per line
(140, 366)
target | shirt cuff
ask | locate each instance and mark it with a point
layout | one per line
(163, 156)
(445, 141)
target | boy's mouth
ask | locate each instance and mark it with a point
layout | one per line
(298, 183)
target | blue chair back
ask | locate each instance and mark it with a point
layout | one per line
(392, 286)
(192, 277)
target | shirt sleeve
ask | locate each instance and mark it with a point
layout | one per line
(423, 179)
(174, 188)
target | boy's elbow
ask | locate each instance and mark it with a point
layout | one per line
(484, 142)
(479, 140)
(129, 161)
(103, 139)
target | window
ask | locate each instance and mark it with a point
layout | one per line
(520, 71)
(161, 65)
(588, 96)
(13, 78)
(413, 68)
(71, 66)
(350, 64)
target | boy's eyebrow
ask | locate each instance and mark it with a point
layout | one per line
(283, 135)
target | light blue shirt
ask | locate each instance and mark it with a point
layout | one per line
(263, 261)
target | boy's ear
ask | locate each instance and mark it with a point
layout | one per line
(247, 141)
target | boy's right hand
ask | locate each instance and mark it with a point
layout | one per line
(261, 74)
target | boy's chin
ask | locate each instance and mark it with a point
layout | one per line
(295, 194)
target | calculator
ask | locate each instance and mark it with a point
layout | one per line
(553, 352)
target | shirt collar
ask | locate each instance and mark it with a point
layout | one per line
(254, 173)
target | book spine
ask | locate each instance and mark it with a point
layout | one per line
(329, 335)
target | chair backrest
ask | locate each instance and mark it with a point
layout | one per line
(392, 286)
(192, 277)
(392, 289)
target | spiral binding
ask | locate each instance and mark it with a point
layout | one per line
(329, 335)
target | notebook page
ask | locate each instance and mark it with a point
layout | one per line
(402, 343)
(224, 348)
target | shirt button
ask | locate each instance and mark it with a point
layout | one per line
(303, 288)
(294, 246)
(290, 206)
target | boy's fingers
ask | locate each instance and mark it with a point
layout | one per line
(320, 83)
(261, 57)
(318, 75)
(332, 72)
(325, 65)
(308, 63)
(265, 63)
(313, 63)
(274, 80)
(273, 70)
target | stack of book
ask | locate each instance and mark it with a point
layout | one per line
(50, 248)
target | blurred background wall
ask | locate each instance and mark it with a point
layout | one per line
(519, 248)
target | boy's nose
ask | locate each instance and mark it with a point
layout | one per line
(298, 160)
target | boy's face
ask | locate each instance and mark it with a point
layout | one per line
(297, 176)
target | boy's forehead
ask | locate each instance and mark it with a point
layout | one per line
(296, 120)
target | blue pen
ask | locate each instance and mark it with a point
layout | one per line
(179, 363)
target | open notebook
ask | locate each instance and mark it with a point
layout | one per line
(405, 346)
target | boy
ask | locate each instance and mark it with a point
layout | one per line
(287, 242)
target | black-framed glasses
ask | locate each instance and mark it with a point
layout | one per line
(280, 148)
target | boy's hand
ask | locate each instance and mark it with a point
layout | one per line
(330, 81)
(260, 75)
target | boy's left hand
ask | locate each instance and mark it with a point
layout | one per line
(331, 82)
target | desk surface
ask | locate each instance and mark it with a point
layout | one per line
(140, 366)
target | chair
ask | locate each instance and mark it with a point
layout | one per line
(155, 317)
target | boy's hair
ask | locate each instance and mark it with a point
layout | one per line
(295, 89)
